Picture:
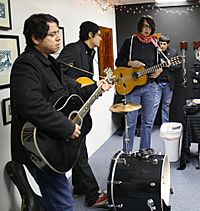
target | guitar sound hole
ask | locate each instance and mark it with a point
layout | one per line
(74, 117)
(135, 75)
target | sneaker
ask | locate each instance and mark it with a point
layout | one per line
(101, 202)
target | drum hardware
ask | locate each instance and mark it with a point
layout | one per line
(146, 157)
(125, 108)
(152, 184)
(115, 182)
(145, 153)
(113, 206)
(155, 161)
(150, 204)
(121, 160)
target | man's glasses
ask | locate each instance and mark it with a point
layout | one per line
(146, 26)
(53, 34)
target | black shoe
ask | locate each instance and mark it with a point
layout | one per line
(77, 194)
(120, 132)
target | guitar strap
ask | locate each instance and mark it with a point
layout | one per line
(154, 42)
(131, 47)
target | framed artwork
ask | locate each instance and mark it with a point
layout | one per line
(9, 51)
(6, 111)
(5, 15)
(62, 35)
(105, 51)
(62, 42)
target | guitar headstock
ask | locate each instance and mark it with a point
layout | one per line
(110, 78)
(176, 60)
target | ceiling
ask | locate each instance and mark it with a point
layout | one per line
(136, 1)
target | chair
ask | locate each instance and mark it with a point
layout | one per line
(30, 200)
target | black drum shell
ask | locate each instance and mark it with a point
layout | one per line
(136, 180)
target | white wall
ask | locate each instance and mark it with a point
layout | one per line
(70, 14)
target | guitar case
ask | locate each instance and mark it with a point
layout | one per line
(30, 200)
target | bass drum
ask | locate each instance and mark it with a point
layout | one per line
(139, 181)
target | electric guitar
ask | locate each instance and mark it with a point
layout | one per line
(129, 78)
(49, 153)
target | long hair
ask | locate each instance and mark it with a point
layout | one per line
(37, 25)
(149, 20)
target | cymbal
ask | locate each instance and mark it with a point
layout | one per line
(120, 107)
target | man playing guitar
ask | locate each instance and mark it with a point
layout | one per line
(140, 51)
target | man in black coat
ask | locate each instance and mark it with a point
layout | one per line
(165, 81)
(80, 56)
(36, 84)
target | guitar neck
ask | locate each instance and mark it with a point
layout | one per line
(152, 69)
(86, 107)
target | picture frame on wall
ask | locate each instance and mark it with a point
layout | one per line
(6, 111)
(62, 37)
(5, 15)
(62, 42)
(9, 51)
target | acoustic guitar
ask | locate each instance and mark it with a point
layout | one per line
(129, 78)
(51, 154)
(85, 81)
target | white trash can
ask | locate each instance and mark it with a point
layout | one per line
(171, 133)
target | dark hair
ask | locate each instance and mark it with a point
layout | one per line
(37, 25)
(87, 27)
(164, 38)
(149, 20)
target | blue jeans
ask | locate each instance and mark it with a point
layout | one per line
(145, 96)
(164, 95)
(55, 189)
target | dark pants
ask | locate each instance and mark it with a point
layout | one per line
(83, 178)
(55, 189)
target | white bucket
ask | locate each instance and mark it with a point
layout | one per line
(171, 133)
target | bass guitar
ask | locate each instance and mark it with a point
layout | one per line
(129, 78)
(51, 154)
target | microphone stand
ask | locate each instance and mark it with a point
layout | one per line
(184, 69)
(126, 139)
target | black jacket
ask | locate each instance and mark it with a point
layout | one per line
(170, 71)
(77, 55)
(145, 53)
(36, 84)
